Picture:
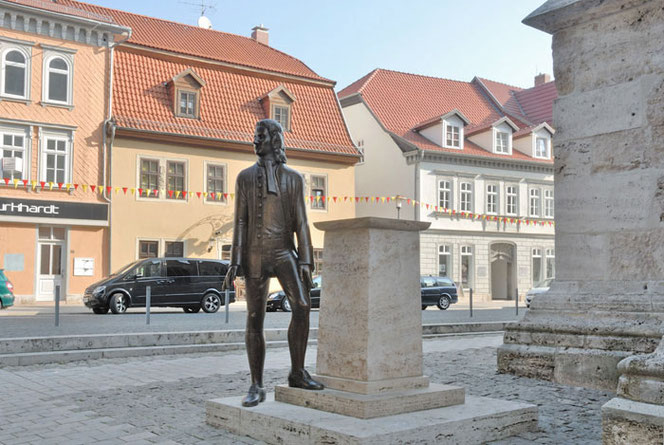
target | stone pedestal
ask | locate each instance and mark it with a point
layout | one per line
(370, 358)
(637, 414)
(607, 302)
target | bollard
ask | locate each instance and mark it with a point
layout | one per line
(471, 302)
(516, 299)
(227, 302)
(57, 306)
(148, 297)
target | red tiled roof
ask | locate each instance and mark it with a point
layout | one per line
(401, 101)
(195, 41)
(50, 5)
(230, 105)
(501, 91)
(537, 102)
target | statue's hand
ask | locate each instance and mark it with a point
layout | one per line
(304, 270)
(230, 277)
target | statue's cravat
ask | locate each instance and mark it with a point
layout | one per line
(270, 169)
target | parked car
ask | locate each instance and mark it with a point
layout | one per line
(190, 283)
(539, 288)
(439, 291)
(6, 291)
(278, 301)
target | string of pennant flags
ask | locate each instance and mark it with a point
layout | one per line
(139, 191)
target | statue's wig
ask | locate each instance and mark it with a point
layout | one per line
(276, 138)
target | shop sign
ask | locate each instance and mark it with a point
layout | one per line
(31, 208)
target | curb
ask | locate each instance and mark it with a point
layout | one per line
(69, 348)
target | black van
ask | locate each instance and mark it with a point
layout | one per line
(190, 283)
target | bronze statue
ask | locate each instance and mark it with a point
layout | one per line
(269, 209)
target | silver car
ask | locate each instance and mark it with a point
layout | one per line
(539, 288)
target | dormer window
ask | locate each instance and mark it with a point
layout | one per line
(502, 142)
(452, 135)
(542, 148)
(277, 105)
(185, 90)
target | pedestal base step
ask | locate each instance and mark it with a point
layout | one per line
(478, 420)
(365, 406)
(627, 421)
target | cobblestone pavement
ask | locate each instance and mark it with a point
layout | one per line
(161, 399)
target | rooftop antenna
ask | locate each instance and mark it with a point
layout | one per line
(203, 6)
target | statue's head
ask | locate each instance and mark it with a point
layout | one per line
(269, 139)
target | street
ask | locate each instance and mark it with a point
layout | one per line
(39, 320)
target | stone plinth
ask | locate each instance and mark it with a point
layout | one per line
(607, 302)
(370, 320)
(370, 358)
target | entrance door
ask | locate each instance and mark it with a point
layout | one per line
(50, 262)
(502, 271)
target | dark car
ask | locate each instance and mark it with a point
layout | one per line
(190, 283)
(6, 291)
(440, 291)
(278, 300)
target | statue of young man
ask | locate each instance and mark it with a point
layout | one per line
(269, 209)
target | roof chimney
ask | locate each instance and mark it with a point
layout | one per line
(542, 79)
(260, 34)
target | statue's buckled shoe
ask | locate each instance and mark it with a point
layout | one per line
(255, 395)
(302, 379)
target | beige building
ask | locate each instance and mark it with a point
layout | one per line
(54, 84)
(473, 159)
(185, 103)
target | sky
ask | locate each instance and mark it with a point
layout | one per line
(343, 40)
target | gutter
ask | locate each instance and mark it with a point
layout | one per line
(108, 124)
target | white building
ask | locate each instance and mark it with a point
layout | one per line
(474, 159)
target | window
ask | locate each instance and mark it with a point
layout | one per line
(492, 199)
(15, 70)
(445, 194)
(181, 268)
(13, 147)
(187, 104)
(550, 263)
(57, 80)
(502, 142)
(211, 268)
(511, 200)
(318, 261)
(55, 162)
(466, 197)
(535, 202)
(174, 248)
(548, 203)
(466, 267)
(360, 148)
(148, 269)
(150, 176)
(537, 266)
(541, 148)
(444, 261)
(226, 250)
(175, 179)
(216, 182)
(452, 136)
(281, 115)
(148, 249)
(318, 192)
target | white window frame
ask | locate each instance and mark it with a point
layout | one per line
(445, 250)
(448, 191)
(550, 254)
(151, 240)
(188, 93)
(459, 134)
(496, 201)
(287, 109)
(514, 196)
(323, 204)
(215, 201)
(185, 180)
(465, 205)
(360, 148)
(534, 210)
(546, 148)
(163, 179)
(26, 74)
(536, 253)
(69, 61)
(25, 132)
(549, 211)
(467, 251)
(68, 138)
(159, 176)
